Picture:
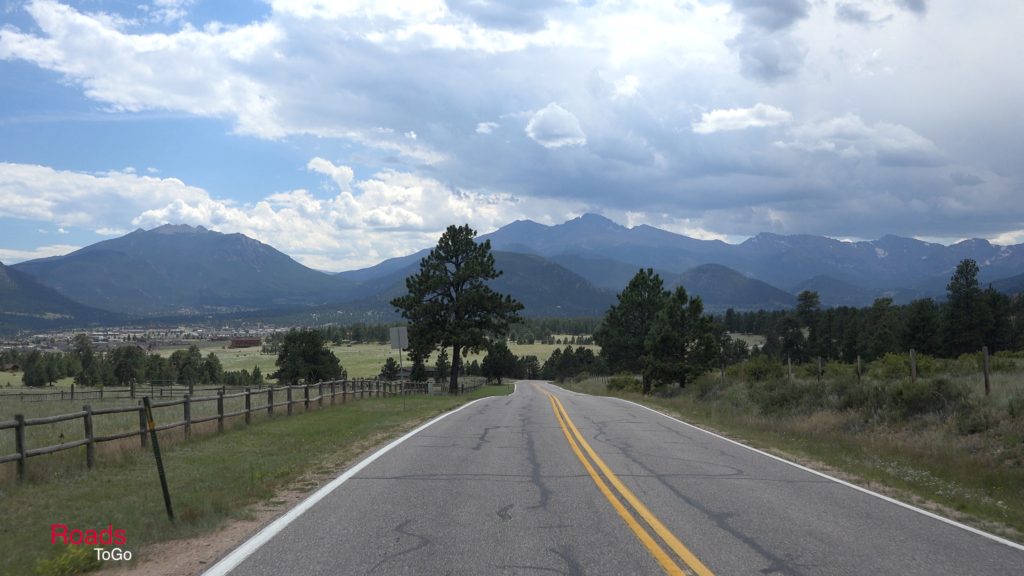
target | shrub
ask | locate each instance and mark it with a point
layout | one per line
(761, 368)
(778, 395)
(936, 395)
(74, 560)
(625, 383)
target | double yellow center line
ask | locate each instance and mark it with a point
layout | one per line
(668, 563)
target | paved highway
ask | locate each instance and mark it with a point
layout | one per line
(547, 481)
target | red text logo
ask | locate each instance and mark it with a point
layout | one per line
(107, 536)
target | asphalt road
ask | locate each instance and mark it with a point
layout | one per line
(499, 487)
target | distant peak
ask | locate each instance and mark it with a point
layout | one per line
(591, 219)
(178, 229)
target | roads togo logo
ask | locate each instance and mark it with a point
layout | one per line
(106, 537)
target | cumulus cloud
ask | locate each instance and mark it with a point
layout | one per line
(555, 127)
(854, 13)
(850, 137)
(759, 116)
(90, 201)
(389, 214)
(766, 46)
(916, 6)
(486, 127)
(11, 256)
(342, 175)
(870, 112)
(773, 16)
(965, 179)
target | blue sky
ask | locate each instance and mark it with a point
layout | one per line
(347, 132)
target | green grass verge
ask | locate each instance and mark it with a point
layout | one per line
(211, 479)
(920, 462)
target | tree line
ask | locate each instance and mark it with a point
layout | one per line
(970, 318)
(125, 365)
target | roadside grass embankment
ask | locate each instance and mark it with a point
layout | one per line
(938, 443)
(212, 479)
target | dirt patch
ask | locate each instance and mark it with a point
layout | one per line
(191, 556)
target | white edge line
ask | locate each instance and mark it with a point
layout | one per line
(247, 548)
(837, 480)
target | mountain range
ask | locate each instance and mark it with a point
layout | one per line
(569, 269)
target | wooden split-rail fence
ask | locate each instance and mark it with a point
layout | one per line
(268, 400)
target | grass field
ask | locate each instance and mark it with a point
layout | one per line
(211, 479)
(360, 360)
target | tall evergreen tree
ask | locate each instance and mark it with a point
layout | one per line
(622, 334)
(966, 311)
(681, 343)
(921, 328)
(449, 303)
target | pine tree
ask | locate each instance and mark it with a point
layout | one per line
(624, 329)
(681, 343)
(966, 311)
(449, 303)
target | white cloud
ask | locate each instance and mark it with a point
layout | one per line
(342, 175)
(390, 214)
(850, 137)
(1008, 238)
(486, 127)
(627, 86)
(76, 199)
(555, 127)
(760, 116)
(11, 256)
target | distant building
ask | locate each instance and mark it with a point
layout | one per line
(245, 342)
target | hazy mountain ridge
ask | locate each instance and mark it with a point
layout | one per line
(569, 269)
(25, 302)
(180, 268)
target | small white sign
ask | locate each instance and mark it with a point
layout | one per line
(399, 338)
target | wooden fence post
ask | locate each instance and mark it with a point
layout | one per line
(72, 390)
(305, 392)
(19, 444)
(789, 361)
(858, 369)
(248, 406)
(985, 367)
(913, 366)
(820, 369)
(333, 383)
(188, 416)
(343, 391)
(289, 387)
(320, 394)
(90, 447)
(220, 410)
(270, 401)
(143, 427)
